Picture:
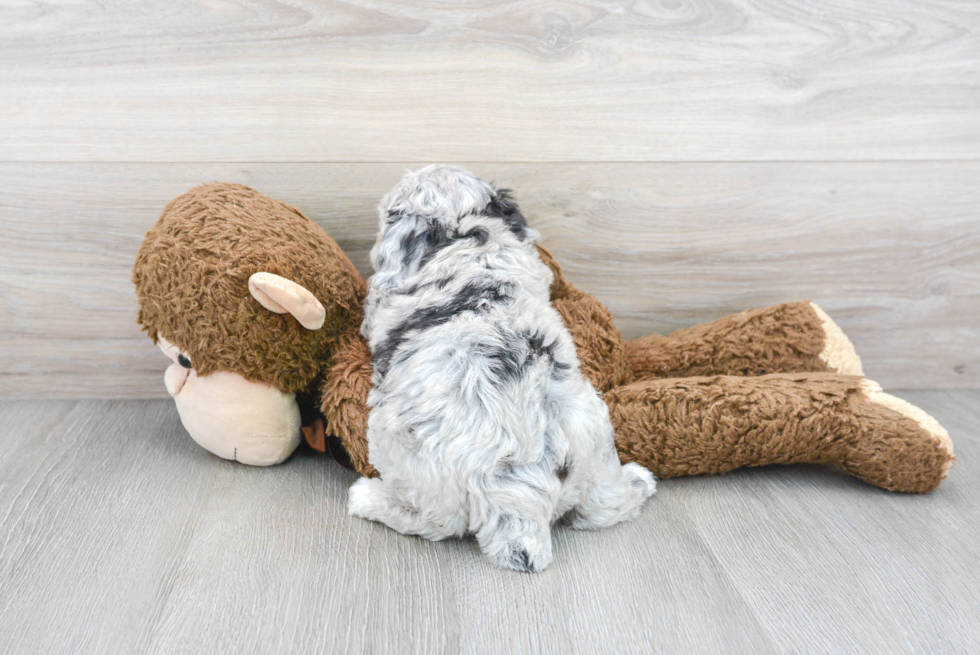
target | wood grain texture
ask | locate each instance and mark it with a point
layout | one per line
(583, 80)
(94, 555)
(889, 249)
(119, 534)
(881, 572)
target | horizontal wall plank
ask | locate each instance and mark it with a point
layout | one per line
(584, 80)
(890, 250)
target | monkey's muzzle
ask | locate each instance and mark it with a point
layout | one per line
(248, 422)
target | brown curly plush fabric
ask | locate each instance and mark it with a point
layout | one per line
(712, 425)
(601, 351)
(344, 398)
(787, 337)
(191, 277)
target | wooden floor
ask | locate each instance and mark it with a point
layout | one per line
(119, 535)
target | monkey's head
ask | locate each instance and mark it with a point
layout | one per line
(247, 297)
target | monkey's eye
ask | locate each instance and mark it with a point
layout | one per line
(183, 361)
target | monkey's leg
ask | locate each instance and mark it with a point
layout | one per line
(709, 425)
(787, 338)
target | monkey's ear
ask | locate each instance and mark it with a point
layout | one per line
(282, 296)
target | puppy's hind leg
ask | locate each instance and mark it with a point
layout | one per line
(612, 492)
(369, 498)
(515, 525)
(618, 495)
(516, 542)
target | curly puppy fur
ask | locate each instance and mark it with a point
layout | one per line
(481, 422)
(191, 277)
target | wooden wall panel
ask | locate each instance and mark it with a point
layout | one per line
(891, 250)
(502, 81)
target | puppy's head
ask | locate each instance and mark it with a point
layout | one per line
(423, 213)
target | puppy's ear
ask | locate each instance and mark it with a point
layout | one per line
(406, 242)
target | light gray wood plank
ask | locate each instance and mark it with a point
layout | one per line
(92, 521)
(832, 565)
(276, 565)
(584, 80)
(889, 249)
(647, 586)
(23, 421)
(121, 535)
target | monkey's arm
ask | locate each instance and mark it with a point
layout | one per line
(707, 425)
(600, 348)
(344, 397)
(601, 352)
(786, 338)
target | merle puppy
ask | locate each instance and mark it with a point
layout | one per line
(481, 422)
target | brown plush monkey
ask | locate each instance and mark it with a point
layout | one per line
(230, 284)
(776, 385)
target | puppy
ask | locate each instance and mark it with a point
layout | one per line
(481, 422)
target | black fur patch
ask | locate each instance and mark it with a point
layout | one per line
(539, 348)
(471, 298)
(428, 242)
(435, 239)
(510, 363)
(521, 559)
(502, 206)
(505, 363)
(309, 407)
(440, 284)
(481, 234)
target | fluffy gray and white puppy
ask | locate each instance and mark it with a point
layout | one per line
(481, 422)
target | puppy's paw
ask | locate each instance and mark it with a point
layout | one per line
(524, 556)
(519, 559)
(641, 479)
(366, 498)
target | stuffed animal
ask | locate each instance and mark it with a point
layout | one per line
(260, 310)
(228, 282)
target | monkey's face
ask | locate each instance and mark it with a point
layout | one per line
(231, 285)
(248, 422)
